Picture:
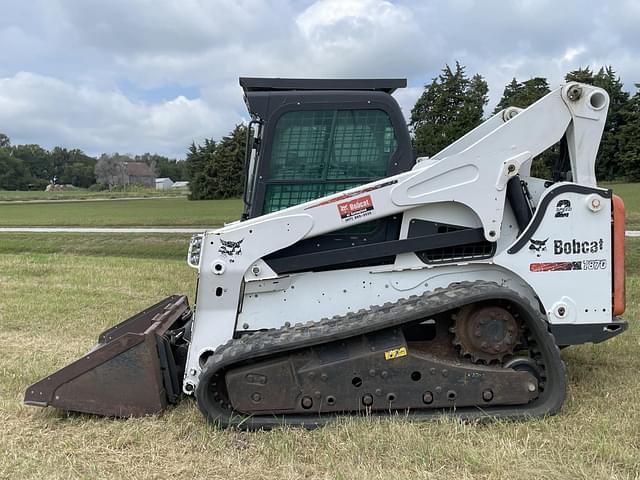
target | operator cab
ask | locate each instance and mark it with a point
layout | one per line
(309, 138)
(312, 138)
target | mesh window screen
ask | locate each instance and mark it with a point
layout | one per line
(283, 195)
(333, 149)
(361, 144)
(301, 145)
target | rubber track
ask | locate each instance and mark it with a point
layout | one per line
(268, 343)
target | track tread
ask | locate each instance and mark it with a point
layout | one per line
(251, 347)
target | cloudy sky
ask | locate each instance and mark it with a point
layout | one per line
(141, 75)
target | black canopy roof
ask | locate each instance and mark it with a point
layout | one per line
(387, 85)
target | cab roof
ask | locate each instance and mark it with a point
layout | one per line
(258, 84)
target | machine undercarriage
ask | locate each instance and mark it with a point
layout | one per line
(394, 358)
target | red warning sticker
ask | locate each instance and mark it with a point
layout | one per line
(356, 208)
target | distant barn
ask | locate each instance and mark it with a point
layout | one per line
(139, 173)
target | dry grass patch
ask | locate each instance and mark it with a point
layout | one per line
(53, 306)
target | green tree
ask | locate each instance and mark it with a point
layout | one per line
(229, 163)
(215, 170)
(14, 174)
(37, 160)
(173, 169)
(450, 106)
(523, 94)
(73, 167)
(5, 141)
(629, 138)
(582, 75)
(198, 165)
(59, 158)
(478, 97)
(608, 161)
(164, 167)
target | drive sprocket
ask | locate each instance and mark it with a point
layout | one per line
(486, 334)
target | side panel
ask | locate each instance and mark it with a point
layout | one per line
(310, 296)
(565, 254)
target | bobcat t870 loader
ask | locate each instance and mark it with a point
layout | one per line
(362, 280)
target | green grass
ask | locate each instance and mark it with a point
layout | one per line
(53, 305)
(57, 292)
(82, 194)
(632, 256)
(159, 211)
(157, 246)
(179, 211)
(630, 194)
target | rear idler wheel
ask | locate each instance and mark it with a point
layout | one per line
(542, 359)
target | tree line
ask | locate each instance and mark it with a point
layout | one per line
(449, 107)
(618, 157)
(452, 104)
(31, 167)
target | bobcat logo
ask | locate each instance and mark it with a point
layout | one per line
(538, 246)
(230, 248)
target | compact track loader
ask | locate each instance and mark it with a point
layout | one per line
(361, 280)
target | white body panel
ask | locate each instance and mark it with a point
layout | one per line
(466, 182)
(571, 269)
(299, 298)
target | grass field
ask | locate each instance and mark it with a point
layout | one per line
(83, 194)
(53, 305)
(57, 292)
(154, 212)
(630, 193)
(157, 246)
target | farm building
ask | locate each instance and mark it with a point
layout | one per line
(180, 184)
(139, 173)
(164, 183)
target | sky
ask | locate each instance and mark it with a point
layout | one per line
(135, 76)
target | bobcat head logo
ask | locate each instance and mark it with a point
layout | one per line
(538, 246)
(230, 248)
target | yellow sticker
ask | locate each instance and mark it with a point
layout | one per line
(395, 353)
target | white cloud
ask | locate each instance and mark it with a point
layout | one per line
(36, 108)
(571, 53)
(359, 37)
(136, 75)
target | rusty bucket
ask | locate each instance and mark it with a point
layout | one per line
(135, 369)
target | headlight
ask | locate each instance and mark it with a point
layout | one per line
(195, 247)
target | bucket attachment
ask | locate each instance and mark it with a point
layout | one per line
(135, 369)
